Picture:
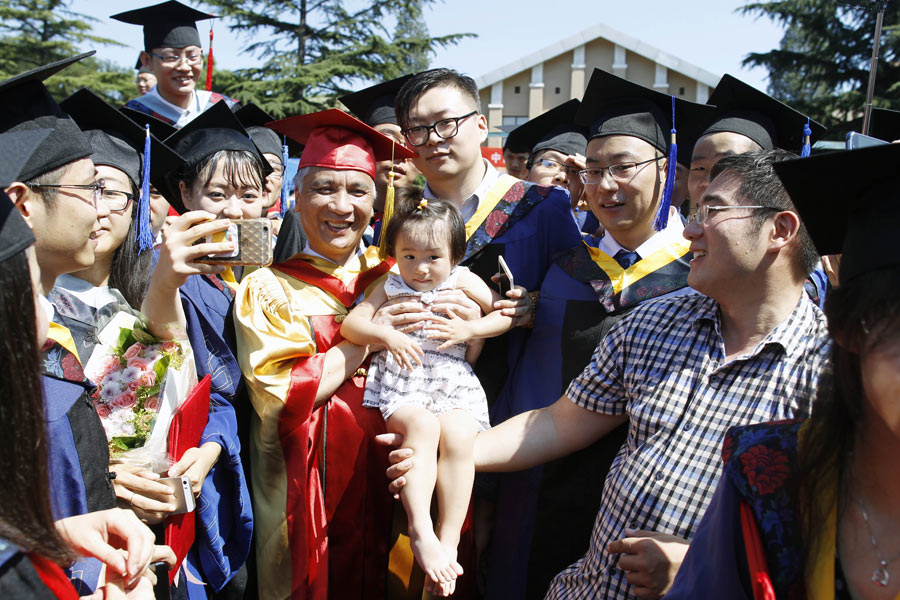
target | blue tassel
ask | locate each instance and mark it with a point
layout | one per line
(662, 215)
(284, 182)
(144, 234)
(807, 132)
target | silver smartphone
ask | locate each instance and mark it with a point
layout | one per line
(184, 497)
(504, 277)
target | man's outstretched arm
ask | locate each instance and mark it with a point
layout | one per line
(539, 436)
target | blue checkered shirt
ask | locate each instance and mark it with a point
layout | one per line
(664, 367)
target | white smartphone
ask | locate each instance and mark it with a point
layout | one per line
(505, 277)
(184, 497)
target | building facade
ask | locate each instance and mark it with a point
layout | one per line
(525, 88)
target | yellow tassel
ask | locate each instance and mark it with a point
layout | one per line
(388, 210)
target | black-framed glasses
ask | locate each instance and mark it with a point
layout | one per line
(172, 60)
(700, 214)
(619, 172)
(97, 188)
(444, 129)
(115, 200)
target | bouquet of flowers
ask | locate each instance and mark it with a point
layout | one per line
(140, 382)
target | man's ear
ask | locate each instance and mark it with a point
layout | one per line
(785, 227)
(482, 126)
(18, 192)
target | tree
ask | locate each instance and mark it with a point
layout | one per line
(37, 32)
(314, 50)
(822, 64)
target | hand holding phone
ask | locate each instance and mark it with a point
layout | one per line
(252, 239)
(504, 277)
(184, 497)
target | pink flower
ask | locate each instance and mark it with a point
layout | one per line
(140, 363)
(147, 379)
(102, 409)
(134, 350)
(152, 403)
(124, 400)
(110, 364)
(169, 346)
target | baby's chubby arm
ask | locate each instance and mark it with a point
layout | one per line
(456, 330)
(359, 328)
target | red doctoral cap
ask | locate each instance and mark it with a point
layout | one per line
(335, 140)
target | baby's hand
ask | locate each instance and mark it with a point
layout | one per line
(406, 351)
(455, 330)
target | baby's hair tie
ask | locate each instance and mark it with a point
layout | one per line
(422, 204)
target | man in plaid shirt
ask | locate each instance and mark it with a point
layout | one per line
(681, 371)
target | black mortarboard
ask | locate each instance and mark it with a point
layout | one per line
(745, 110)
(25, 104)
(885, 124)
(213, 130)
(514, 143)
(16, 147)
(254, 119)
(554, 130)
(15, 234)
(118, 141)
(166, 25)
(861, 223)
(375, 104)
(158, 127)
(615, 106)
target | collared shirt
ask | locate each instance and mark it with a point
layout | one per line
(307, 249)
(181, 116)
(664, 367)
(672, 233)
(470, 204)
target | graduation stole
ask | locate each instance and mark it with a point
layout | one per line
(59, 357)
(662, 272)
(507, 202)
(347, 288)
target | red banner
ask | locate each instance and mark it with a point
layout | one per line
(495, 155)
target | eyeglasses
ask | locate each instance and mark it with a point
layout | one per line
(171, 60)
(444, 129)
(701, 214)
(555, 166)
(97, 188)
(115, 200)
(619, 172)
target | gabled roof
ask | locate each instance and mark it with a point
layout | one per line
(588, 35)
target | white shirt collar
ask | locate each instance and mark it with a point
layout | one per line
(308, 250)
(470, 205)
(672, 233)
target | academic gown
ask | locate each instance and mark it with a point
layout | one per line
(319, 485)
(544, 516)
(528, 224)
(224, 524)
(154, 105)
(31, 576)
(77, 450)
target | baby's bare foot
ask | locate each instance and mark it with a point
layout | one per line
(432, 557)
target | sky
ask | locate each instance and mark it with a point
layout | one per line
(707, 33)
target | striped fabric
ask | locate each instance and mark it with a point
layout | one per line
(664, 366)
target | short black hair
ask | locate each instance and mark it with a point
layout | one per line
(426, 220)
(413, 89)
(761, 186)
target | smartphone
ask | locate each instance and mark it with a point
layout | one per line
(504, 277)
(253, 243)
(184, 497)
(161, 590)
(857, 140)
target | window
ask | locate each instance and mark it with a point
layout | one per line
(517, 89)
